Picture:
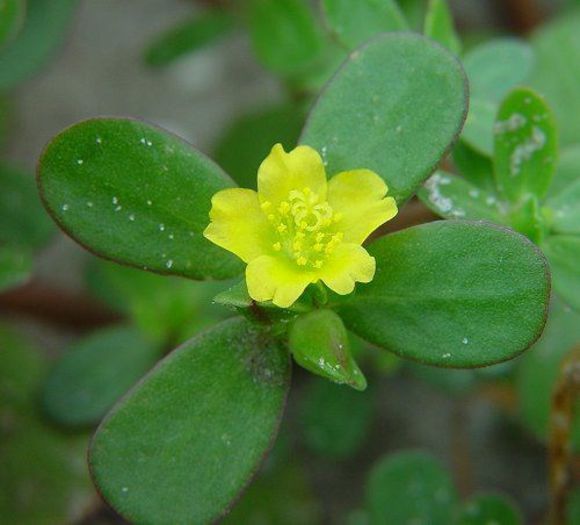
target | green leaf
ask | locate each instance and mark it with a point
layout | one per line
(354, 23)
(15, 266)
(136, 194)
(42, 33)
(12, 14)
(95, 372)
(378, 113)
(284, 34)
(335, 420)
(539, 369)
(458, 285)
(282, 497)
(527, 218)
(43, 477)
(478, 130)
(181, 445)
(526, 145)
(563, 252)
(166, 309)
(23, 221)
(247, 142)
(473, 166)
(453, 197)
(488, 508)
(319, 343)
(188, 37)
(564, 193)
(439, 25)
(557, 72)
(410, 487)
(493, 68)
(567, 171)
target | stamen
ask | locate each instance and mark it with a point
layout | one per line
(277, 246)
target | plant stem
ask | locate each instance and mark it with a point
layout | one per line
(560, 455)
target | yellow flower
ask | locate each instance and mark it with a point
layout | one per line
(299, 228)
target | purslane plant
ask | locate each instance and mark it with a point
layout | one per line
(180, 446)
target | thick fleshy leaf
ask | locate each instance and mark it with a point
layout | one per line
(43, 477)
(23, 220)
(473, 166)
(165, 309)
(449, 293)
(525, 146)
(280, 496)
(487, 509)
(11, 17)
(567, 172)
(354, 23)
(136, 194)
(95, 372)
(284, 34)
(188, 37)
(410, 487)
(250, 138)
(439, 25)
(319, 343)
(183, 443)
(563, 252)
(453, 197)
(540, 367)
(493, 69)
(335, 420)
(564, 193)
(377, 113)
(43, 31)
(478, 130)
(557, 72)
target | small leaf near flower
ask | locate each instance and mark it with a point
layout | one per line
(299, 229)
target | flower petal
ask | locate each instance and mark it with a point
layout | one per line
(282, 172)
(358, 195)
(349, 263)
(238, 224)
(269, 278)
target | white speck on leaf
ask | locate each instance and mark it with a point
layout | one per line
(442, 203)
(169, 263)
(115, 200)
(524, 151)
(161, 227)
(149, 203)
(80, 161)
(118, 208)
(515, 122)
(132, 217)
(99, 140)
(89, 204)
(65, 207)
(465, 340)
(171, 236)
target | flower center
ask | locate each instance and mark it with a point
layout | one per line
(304, 228)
